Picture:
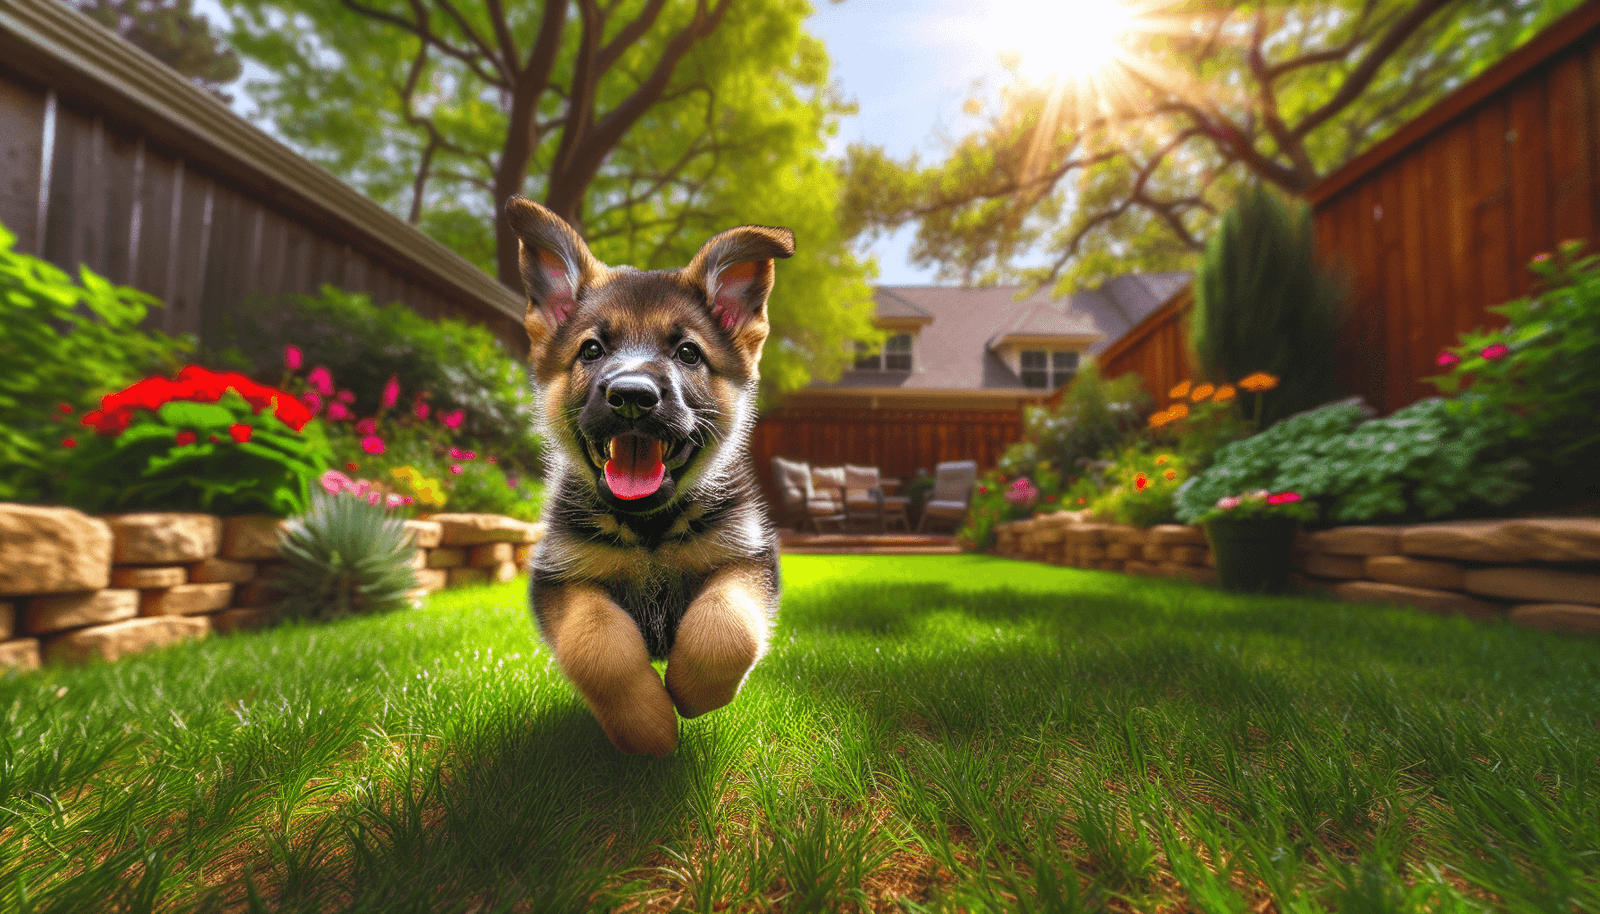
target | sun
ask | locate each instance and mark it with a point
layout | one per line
(1051, 39)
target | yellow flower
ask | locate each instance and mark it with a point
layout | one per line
(1259, 382)
(1225, 392)
(1201, 392)
(1179, 392)
(1161, 460)
(1172, 474)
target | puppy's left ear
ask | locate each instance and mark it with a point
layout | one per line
(556, 269)
(735, 269)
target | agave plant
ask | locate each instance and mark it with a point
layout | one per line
(344, 556)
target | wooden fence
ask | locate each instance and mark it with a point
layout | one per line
(111, 160)
(896, 441)
(1439, 220)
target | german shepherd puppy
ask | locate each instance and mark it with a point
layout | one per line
(656, 543)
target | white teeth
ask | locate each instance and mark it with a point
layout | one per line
(611, 448)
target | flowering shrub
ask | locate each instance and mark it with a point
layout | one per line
(63, 344)
(1140, 487)
(1260, 504)
(206, 441)
(1541, 372)
(1203, 417)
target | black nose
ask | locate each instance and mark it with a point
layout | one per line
(632, 396)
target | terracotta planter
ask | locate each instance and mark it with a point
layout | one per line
(1254, 555)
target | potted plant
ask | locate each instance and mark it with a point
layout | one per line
(1252, 538)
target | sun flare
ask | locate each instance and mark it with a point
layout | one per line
(1061, 38)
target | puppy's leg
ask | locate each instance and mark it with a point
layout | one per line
(722, 635)
(599, 648)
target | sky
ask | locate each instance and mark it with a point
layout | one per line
(910, 66)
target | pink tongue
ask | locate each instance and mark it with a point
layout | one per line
(635, 468)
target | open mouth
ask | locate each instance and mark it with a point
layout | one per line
(635, 465)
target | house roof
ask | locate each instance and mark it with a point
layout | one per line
(955, 349)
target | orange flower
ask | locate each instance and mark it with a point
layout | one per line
(1224, 393)
(1179, 392)
(1171, 474)
(1259, 382)
(1159, 419)
(1161, 460)
(1179, 410)
(1201, 392)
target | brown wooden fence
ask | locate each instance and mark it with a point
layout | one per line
(1439, 220)
(109, 159)
(896, 441)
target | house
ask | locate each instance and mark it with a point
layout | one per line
(951, 380)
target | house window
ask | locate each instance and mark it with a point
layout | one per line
(1048, 370)
(895, 356)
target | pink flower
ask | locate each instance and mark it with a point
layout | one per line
(337, 412)
(346, 396)
(372, 444)
(374, 498)
(1283, 498)
(1447, 359)
(312, 402)
(1495, 351)
(291, 358)
(391, 392)
(455, 468)
(455, 453)
(393, 501)
(367, 426)
(421, 409)
(334, 482)
(490, 459)
(1228, 502)
(321, 381)
(452, 421)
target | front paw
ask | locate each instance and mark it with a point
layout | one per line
(696, 690)
(643, 723)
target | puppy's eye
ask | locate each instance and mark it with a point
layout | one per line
(591, 351)
(689, 354)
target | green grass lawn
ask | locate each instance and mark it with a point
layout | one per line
(928, 733)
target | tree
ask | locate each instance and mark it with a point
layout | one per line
(649, 126)
(171, 32)
(1128, 170)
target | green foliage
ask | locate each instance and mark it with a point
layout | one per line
(738, 136)
(1262, 303)
(171, 32)
(1138, 488)
(63, 344)
(1094, 416)
(1426, 460)
(145, 468)
(1542, 370)
(344, 556)
(453, 364)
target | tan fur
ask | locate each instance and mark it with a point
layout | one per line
(598, 647)
(720, 638)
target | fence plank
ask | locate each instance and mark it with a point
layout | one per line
(21, 126)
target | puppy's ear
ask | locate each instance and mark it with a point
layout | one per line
(556, 268)
(735, 269)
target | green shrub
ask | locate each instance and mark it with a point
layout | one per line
(344, 556)
(1426, 460)
(1541, 371)
(450, 364)
(1262, 303)
(1095, 416)
(1138, 488)
(63, 344)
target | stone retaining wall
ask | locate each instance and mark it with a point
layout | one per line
(74, 586)
(1542, 572)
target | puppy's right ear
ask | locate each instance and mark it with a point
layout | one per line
(556, 268)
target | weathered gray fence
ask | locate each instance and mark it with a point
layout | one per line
(110, 159)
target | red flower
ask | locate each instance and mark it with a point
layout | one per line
(1447, 359)
(983, 490)
(1139, 482)
(352, 467)
(1283, 498)
(241, 433)
(69, 442)
(193, 384)
(1495, 351)
(64, 407)
(186, 438)
(372, 444)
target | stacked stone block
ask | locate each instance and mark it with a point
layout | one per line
(1543, 572)
(1073, 538)
(73, 587)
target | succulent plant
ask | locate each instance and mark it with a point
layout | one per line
(344, 556)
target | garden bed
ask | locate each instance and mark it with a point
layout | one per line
(74, 586)
(1542, 572)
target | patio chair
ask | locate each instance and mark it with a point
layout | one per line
(952, 491)
(865, 502)
(825, 502)
(794, 489)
